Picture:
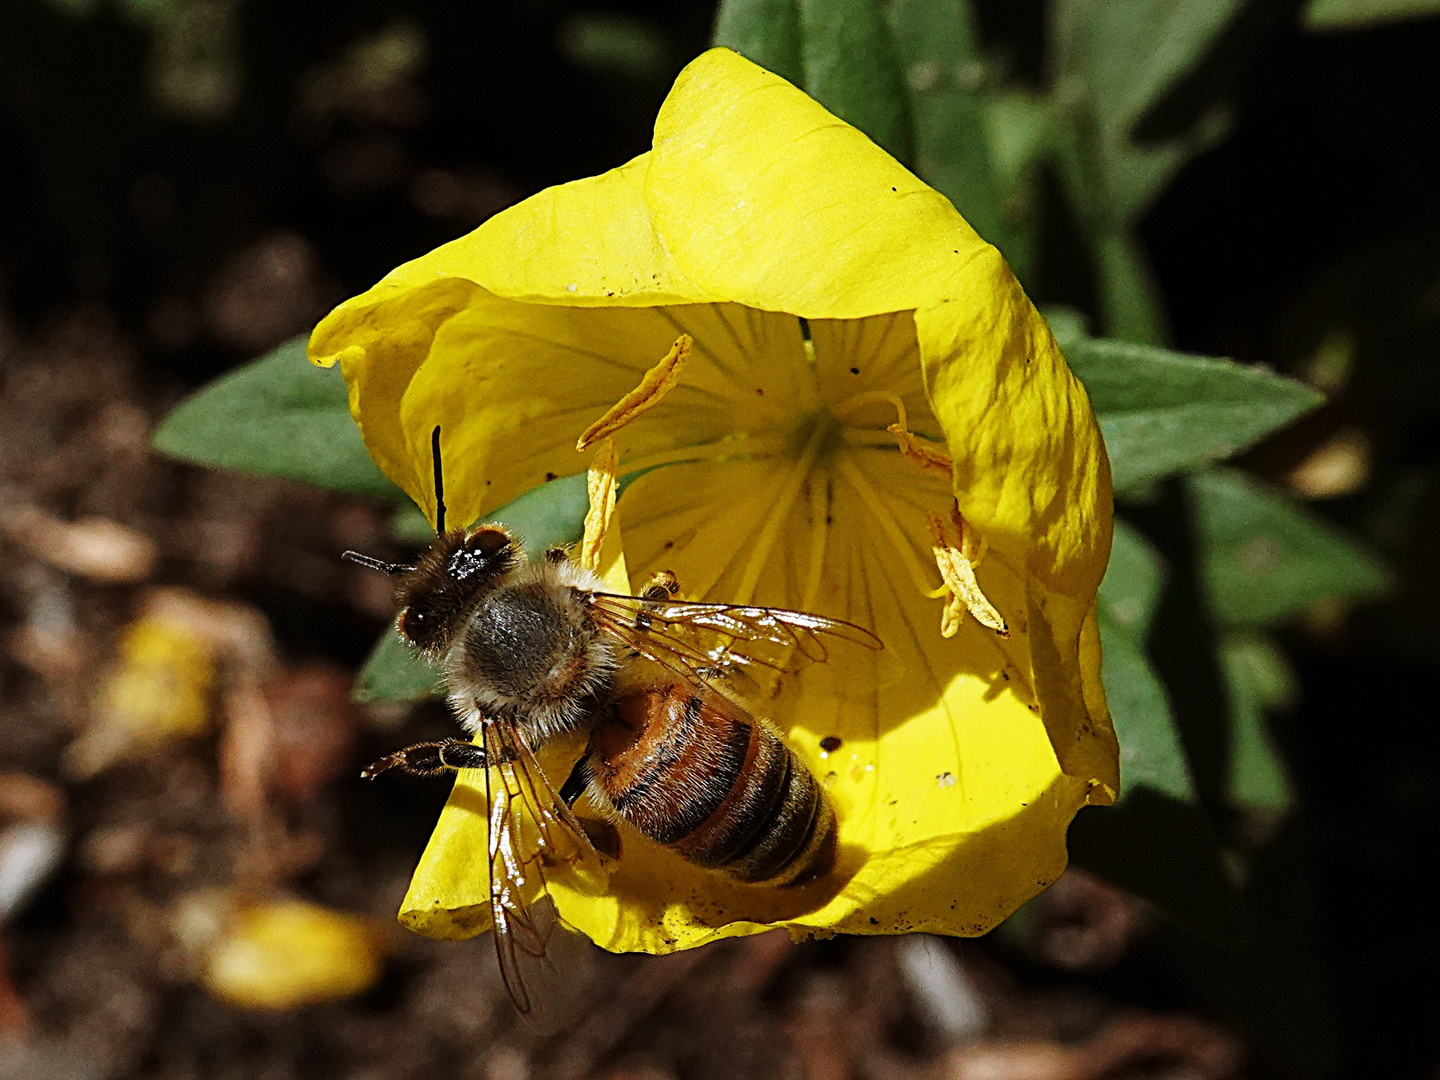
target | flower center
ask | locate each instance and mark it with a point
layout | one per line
(822, 437)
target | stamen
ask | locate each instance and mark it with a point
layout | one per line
(916, 451)
(957, 553)
(872, 397)
(657, 382)
(919, 451)
(601, 482)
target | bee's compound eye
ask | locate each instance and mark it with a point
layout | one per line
(487, 542)
(414, 624)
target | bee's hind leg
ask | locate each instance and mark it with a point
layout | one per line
(430, 759)
(663, 585)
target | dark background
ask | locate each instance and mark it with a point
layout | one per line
(143, 252)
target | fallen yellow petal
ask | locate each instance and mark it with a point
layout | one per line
(281, 955)
(157, 691)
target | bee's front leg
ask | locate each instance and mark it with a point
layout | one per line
(430, 759)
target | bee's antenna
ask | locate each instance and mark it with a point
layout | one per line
(439, 482)
(372, 563)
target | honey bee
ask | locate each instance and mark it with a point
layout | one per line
(532, 651)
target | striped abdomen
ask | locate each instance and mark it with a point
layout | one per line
(694, 772)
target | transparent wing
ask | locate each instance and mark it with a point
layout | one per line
(531, 828)
(697, 640)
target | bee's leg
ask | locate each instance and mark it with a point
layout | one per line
(663, 585)
(430, 759)
(556, 555)
(576, 782)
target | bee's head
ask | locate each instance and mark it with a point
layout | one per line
(438, 593)
(448, 580)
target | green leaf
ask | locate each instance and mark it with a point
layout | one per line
(765, 31)
(394, 672)
(1113, 63)
(851, 68)
(1133, 581)
(1068, 324)
(840, 52)
(1264, 557)
(280, 416)
(977, 147)
(1258, 678)
(1151, 754)
(1123, 57)
(1132, 307)
(1351, 14)
(1164, 412)
(550, 515)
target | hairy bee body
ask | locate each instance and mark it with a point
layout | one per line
(531, 654)
(694, 772)
(520, 644)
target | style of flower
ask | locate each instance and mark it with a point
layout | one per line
(834, 396)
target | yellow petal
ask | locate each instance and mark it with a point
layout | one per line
(584, 243)
(952, 807)
(763, 197)
(513, 385)
(740, 201)
(1031, 471)
(756, 206)
(1032, 475)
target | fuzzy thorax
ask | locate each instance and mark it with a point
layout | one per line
(530, 652)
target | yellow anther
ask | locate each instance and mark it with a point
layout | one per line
(657, 382)
(601, 482)
(920, 452)
(957, 553)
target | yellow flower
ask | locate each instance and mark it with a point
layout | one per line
(873, 423)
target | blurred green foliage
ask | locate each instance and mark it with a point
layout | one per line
(1354, 14)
